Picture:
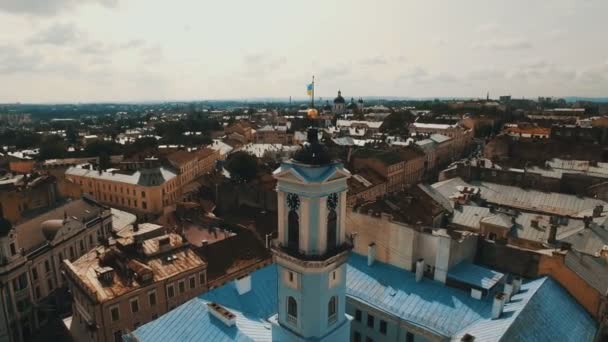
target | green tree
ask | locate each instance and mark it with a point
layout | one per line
(397, 123)
(243, 167)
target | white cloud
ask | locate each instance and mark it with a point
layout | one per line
(503, 44)
(48, 7)
(57, 34)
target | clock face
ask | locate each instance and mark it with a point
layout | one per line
(293, 201)
(332, 201)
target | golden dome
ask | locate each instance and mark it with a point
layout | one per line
(313, 113)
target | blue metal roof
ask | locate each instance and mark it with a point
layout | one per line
(429, 304)
(480, 277)
(542, 310)
(193, 322)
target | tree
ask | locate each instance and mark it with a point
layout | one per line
(397, 123)
(243, 167)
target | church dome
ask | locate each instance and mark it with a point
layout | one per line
(352, 104)
(313, 113)
(360, 100)
(50, 228)
(339, 99)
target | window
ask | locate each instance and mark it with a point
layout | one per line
(134, 305)
(50, 284)
(291, 277)
(47, 266)
(81, 246)
(383, 326)
(152, 298)
(71, 252)
(34, 273)
(292, 310)
(192, 282)
(144, 205)
(201, 278)
(143, 194)
(20, 282)
(332, 308)
(332, 219)
(293, 239)
(370, 321)
(170, 291)
(37, 292)
(357, 337)
(91, 240)
(358, 315)
(118, 336)
(182, 286)
(409, 337)
(293, 221)
(13, 249)
(114, 313)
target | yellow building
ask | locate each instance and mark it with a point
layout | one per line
(147, 190)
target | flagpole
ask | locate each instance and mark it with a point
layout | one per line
(313, 91)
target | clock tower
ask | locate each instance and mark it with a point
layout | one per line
(312, 249)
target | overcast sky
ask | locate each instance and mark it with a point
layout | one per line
(132, 50)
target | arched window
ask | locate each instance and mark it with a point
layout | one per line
(332, 308)
(332, 221)
(292, 310)
(293, 238)
(293, 221)
(332, 227)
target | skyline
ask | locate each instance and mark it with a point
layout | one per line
(60, 51)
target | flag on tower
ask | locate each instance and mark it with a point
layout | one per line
(309, 89)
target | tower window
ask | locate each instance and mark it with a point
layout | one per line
(332, 227)
(292, 310)
(332, 307)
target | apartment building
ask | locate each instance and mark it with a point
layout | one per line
(144, 275)
(461, 137)
(31, 254)
(146, 187)
(20, 194)
(273, 135)
(401, 167)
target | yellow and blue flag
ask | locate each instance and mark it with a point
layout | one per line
(309, 89)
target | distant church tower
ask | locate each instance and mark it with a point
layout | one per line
(312, 248)
(339, 104)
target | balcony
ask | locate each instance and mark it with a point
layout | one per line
(337, 254)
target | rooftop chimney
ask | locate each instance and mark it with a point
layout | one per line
(243, 284)
(598, 210)
(498, 305)
(552, 233)
(516, 284)
(467, 338)
(508, 292)
(371, 253)
(164, 243)
(419, 269)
